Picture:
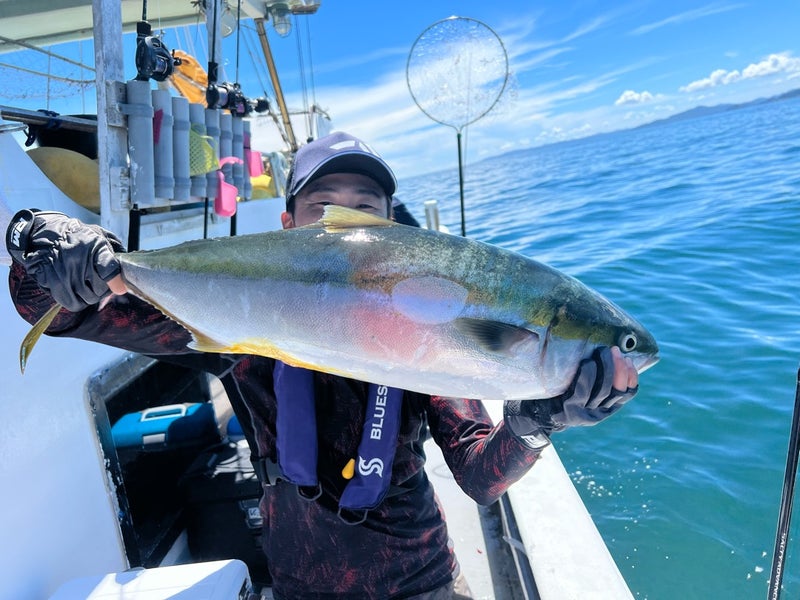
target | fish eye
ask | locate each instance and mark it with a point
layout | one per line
(628, 342)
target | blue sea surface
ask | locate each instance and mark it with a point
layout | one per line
(694, 228)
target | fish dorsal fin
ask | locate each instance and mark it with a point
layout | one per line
(495, 336)
(341, 217)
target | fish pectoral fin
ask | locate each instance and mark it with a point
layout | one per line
(203, 343)
(495, 336)
(341, 217)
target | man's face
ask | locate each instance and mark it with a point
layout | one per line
(343, 189)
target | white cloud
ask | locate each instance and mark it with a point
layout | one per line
(782, 63)
(595, 24)
(631, 97)
(774, 63)
(718, 77)
(685, 17)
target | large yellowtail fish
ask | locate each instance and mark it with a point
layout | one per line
(363, 297)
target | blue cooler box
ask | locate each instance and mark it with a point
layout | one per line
(169, 426)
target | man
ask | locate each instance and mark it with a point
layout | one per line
(319, 543)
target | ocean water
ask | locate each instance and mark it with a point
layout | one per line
(694, 228)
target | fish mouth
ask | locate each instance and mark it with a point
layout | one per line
(645, 361)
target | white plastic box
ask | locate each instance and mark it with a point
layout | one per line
(217, 580)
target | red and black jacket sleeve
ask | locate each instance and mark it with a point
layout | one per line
(485, 459)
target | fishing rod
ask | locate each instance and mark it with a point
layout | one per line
(787, 498)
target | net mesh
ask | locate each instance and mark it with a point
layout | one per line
(457, 70)
(202, 157)
(40, 77)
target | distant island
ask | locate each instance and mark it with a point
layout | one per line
(703, 111)
(692, 113)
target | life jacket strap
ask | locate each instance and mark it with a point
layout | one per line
(296, 424)
(296, 442)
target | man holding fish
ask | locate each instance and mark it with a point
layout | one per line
(348, 510)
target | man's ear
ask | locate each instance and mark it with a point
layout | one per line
(287, 220)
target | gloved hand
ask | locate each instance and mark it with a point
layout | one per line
(590, 398)
(70, 259)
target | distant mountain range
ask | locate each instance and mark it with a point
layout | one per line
(702, 111)
(692, 113)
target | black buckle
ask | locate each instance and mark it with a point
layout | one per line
(267, 471)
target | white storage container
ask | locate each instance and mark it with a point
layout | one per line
(218, 580)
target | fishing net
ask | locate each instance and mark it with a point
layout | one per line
(37, 77)
(456, 71)
(202, 157)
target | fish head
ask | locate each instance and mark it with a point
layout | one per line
(633, 339)
(579, 320)
(638, 344)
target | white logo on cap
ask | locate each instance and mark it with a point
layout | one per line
(352, 144)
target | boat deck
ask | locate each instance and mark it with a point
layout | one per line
(480, 543)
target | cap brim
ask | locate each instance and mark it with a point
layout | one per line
(353, 162)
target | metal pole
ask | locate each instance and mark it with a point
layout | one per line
(787, 498)
(276, 84)
(112, 133)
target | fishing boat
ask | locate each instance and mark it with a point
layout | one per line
(93, 505)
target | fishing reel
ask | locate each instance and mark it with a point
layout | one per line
(153, 60)
(229, 96)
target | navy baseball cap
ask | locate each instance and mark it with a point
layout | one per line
(338, 153)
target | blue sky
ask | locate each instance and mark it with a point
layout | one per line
(576, 68)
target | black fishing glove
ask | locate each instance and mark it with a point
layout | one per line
(589, 399)
(70, 259)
